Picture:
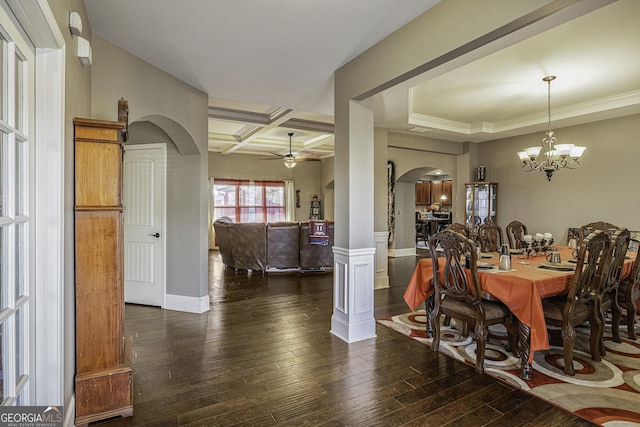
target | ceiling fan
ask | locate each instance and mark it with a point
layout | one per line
(289, 159)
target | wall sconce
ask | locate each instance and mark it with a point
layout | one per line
(84, 47)
(75, 23)
(84, 51)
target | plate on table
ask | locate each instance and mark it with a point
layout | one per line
(484, 265)
(563, 266)
(485, 255)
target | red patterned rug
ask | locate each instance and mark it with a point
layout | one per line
(605, 393)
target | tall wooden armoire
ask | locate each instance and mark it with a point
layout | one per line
(103, 374)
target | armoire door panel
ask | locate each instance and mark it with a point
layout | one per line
(97, 174)
(98, 270)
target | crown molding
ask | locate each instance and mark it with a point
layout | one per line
(558, 115)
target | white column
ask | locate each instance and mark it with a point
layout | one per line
(354, 250)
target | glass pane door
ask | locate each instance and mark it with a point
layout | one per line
(16, 110)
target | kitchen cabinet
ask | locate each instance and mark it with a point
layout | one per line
(447, 190)
(423, 193)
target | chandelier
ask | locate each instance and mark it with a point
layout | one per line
(556, 156)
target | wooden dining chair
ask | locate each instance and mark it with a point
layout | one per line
(579, 304)
(421, 228)
(458, 295)
(515, 234)
(490, 237)
(609, 295)
(629, 293)
(587, 229)
(462, 229)
(459, 228)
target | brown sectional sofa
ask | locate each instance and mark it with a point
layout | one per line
(276, 246)
(315, 256)
(244, 244)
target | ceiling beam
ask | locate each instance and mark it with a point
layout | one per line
(317, 142)
(238, 115)
(309, 125)
(275, 119)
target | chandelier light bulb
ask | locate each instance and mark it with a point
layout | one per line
(290, 162)
(576, 152)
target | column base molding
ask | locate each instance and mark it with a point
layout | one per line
(353, 282)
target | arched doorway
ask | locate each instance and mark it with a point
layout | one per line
(183, 188)
(426, 196)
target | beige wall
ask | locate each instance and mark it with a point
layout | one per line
(327, 181)
(306, 175)
(149, 91)
(411, 164)
(603, 188)
(181, 112)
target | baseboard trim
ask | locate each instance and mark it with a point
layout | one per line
(396, 253)
(187, 304)
(70, 412)
(381, 282)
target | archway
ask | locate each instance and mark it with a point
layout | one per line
(425, 194)
(186, 287)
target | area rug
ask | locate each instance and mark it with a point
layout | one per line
(606, 393)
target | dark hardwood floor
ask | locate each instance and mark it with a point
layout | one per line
(264, 356)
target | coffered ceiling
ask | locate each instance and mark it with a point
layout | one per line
(268, 69)
(259, 129)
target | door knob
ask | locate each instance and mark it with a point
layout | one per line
(155, 235)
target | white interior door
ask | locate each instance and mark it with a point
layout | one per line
(144, 228)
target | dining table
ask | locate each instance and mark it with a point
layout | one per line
(431, 224)
(521, 289)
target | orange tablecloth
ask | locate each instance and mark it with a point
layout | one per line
(521, 289)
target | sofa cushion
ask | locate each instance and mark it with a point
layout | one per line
(222, 227)
(248, 245)
(283, 245)
(315, 256)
